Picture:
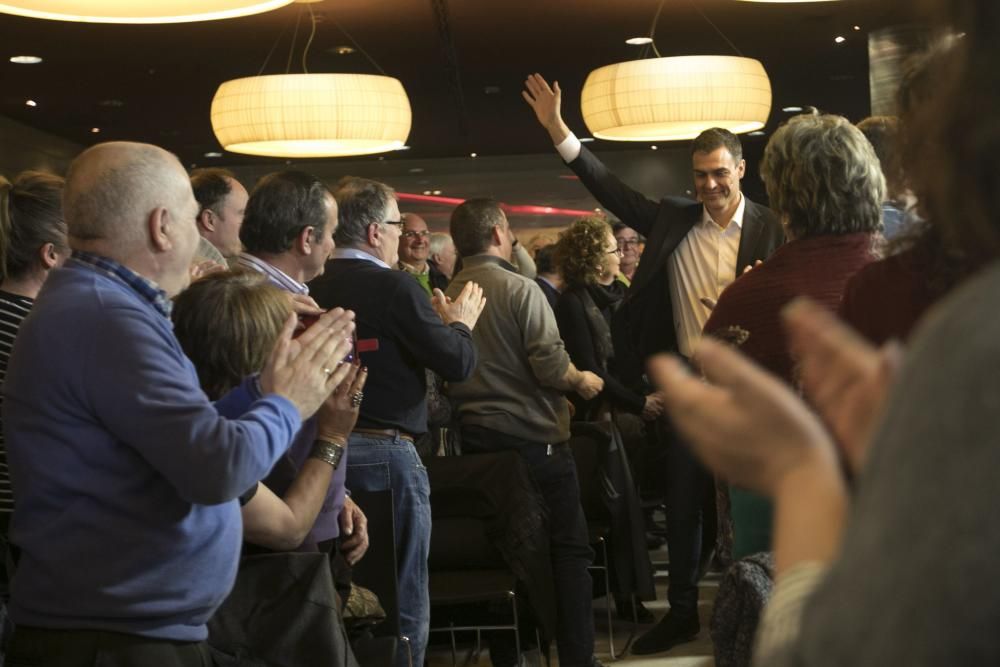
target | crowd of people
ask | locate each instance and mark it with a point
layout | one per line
(194, 374)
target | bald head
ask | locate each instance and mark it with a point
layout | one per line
(133, 203)
(112, 188)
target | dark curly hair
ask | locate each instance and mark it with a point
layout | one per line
(579, 254)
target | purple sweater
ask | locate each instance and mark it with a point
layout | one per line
(126, 476)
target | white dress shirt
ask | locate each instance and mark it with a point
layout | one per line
(701, 266)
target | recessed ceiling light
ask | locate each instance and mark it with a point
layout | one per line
(427, 192)
(344, 50)
(473, 155)
(586, 140)
(417, 170)
(756, 133)
(437, 192)
(857, 27)
(839, 39)
(95, 130)
(114, 104)
(25, 60)
(30, 103)
(653, 147)
(639, 41)
(791, 109)
(213, 154)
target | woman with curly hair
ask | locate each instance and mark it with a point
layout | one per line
(588, 257)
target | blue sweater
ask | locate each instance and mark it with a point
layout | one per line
(126, 476)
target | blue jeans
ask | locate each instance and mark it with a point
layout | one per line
(378, 463)
(555, 475)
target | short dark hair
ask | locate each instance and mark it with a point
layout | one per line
(281, 205)
(472, 224)
(30, 217)
(211, 185)
(545, 259)
(361, 202)
(716, 137)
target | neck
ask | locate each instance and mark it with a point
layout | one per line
(723, 217)
(605, 280)
(285, 263)
(419, 266)
(629, 271)
(27, 286)
(496, 251)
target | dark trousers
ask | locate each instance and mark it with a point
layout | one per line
(687, 483)
(41, 647)
(555, 475)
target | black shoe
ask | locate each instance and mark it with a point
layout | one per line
(623, 610)
(668, 633)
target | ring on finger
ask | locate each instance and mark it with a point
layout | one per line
(356, 398)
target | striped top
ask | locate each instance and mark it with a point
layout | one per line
(13, 309)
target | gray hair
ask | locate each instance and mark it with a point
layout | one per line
(823, 177)
(439, 241)
(361, 203)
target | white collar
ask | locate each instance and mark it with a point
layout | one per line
(706, 217)
(354, 253)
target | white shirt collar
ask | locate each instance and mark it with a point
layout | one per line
(273, 273)
(706, 217)
(354, 253)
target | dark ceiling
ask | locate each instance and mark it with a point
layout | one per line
(461, 61)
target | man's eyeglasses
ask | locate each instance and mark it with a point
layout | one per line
(397, 223)
(625, 243)
(616, 251)
(413, 235)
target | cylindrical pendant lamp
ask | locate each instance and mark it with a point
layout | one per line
(138, 11)
(663, 99)
(311, 115)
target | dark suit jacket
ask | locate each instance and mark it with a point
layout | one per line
(550, 292)
(645, 322)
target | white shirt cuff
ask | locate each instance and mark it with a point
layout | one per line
(569, 148)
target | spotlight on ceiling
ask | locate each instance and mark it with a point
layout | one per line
(25, 60)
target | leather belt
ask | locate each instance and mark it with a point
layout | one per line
(390, 432)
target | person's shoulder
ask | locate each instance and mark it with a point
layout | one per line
(681, 203)
(764, 214)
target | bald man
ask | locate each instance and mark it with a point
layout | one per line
(126, 477)
(414, 251)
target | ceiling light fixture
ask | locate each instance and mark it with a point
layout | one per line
(857, 27)
(473, 155)
(639, 41)
(840, 39)
(213, 154)
(30, 103)
(791, 109)
(586, 140)
(665, 99)
(25, 60)
(152, 11)
(311, 115)
(344, 50)
(756, 133)
(95, 130)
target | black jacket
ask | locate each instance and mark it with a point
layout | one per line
(646, 316)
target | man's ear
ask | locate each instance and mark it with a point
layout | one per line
(374, 235)
(497, 235)
(741, 168)
(206, 220)
(304, 241)
(159, 220)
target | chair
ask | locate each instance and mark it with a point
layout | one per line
(377, 570)
(614, 517)
(474, 557)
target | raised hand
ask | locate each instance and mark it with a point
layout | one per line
(843, 376)
(744, 423)
(546, 101)
(305, 370)
(465, 308)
